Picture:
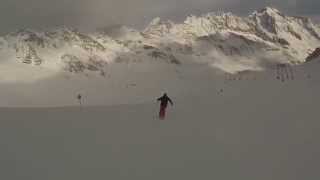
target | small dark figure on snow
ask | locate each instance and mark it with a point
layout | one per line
(163, 105)
(79, 97)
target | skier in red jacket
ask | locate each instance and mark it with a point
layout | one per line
(163, 106)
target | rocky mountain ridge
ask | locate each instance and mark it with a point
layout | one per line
(225, 41)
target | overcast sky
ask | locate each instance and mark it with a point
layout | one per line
(88, 14)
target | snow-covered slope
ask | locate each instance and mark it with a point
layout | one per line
(249, 126)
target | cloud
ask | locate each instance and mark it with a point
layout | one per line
(89, 14)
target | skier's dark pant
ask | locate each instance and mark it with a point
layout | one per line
(162, 113)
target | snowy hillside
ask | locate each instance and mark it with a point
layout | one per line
(249, 126)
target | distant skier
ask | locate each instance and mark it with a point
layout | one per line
(163, 106)
(80, 99)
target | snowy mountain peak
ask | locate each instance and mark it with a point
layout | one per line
(155, 21)
(269, 10)
(158, 27)
(119, 32)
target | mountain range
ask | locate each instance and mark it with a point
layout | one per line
(224, 41)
